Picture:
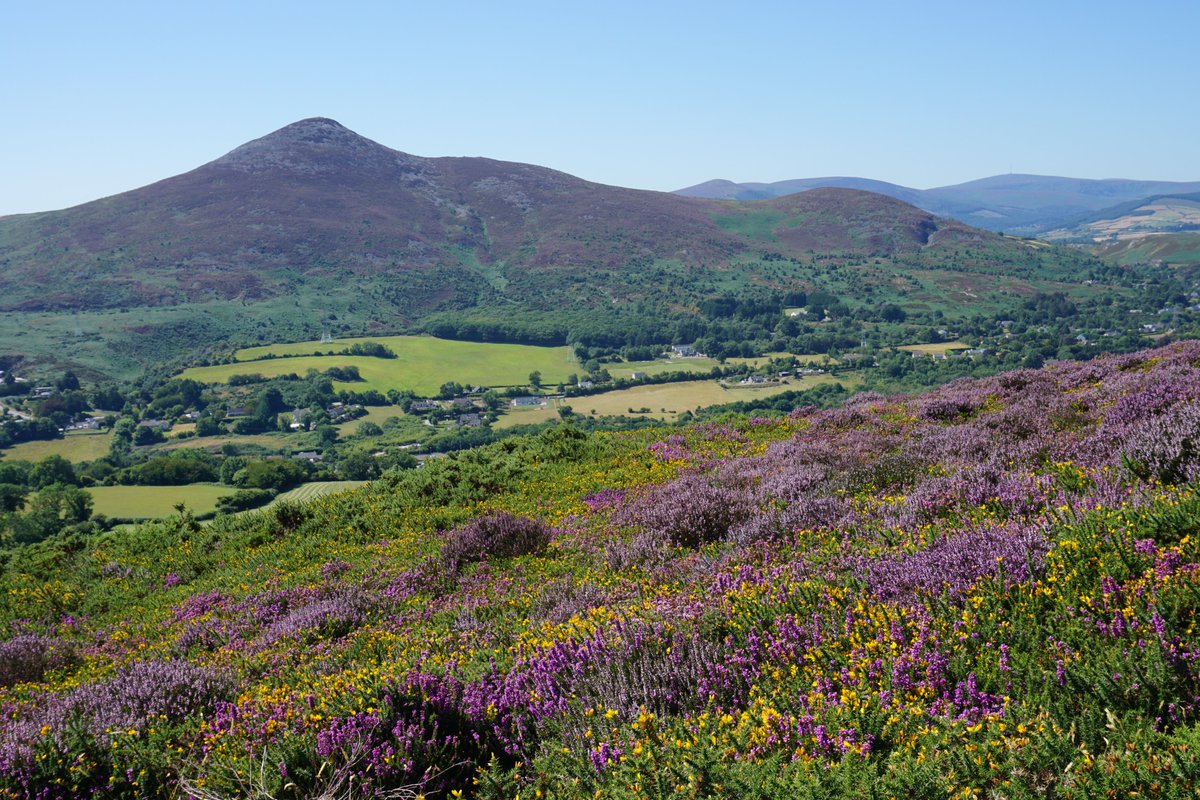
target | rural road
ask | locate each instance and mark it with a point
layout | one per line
(6, 410)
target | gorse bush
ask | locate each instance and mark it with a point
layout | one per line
(245, 499)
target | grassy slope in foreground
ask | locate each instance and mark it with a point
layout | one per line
(422, 363)
(989, 590)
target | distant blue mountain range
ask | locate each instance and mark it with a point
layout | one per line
(1019, 204)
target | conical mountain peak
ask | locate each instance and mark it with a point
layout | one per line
(314, 145)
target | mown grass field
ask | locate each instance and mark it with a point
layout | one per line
(936, 347)
(422, 363)
(660, 366)
(76, 446)
(666, 401)
(152, 502)
(311, 491)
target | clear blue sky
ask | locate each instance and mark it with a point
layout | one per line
(100, 97)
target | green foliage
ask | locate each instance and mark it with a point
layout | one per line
(52, 470)
(368, 430)
(245, 499)
(278, 474)
(360, 466)
(12, 497)
(52, 509)
(187, 466)
(372, 349)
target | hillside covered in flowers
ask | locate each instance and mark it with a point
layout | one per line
(991, 590)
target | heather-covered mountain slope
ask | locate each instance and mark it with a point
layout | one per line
(315, 228)
(315, 207)
(314, 201)
(989, 590)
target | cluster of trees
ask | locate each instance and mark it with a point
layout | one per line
(14, 430)
(40, 500)
(371, 349)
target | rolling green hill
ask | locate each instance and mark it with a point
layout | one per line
(1168, 248)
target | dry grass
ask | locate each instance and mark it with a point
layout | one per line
(936, 347)
(665, 401)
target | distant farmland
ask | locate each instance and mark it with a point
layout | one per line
(422, 363)
(665, 401)
(75, 447)
(153, 502)
(311, 491)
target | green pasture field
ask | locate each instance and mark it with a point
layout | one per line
(699, 364)
(376, 414)
(666, 401)
(277, 442)
(153, 502)
(75, 446)
(422, 363)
